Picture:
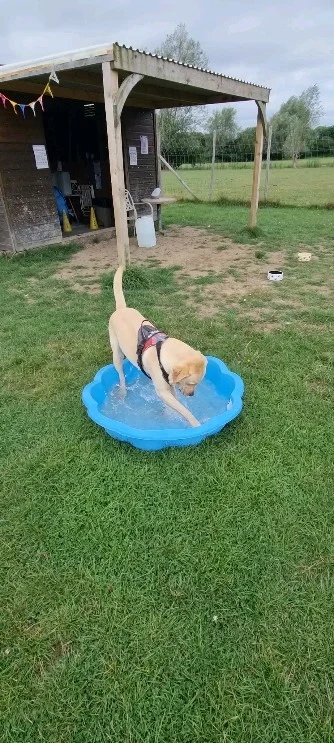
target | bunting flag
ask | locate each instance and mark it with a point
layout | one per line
(22, 106)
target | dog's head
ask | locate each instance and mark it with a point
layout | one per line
(189, 373)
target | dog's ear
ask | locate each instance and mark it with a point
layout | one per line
(178, 372)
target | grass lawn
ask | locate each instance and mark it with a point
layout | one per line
(184, 596)
(299, 186)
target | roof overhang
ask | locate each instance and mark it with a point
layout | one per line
(165, 83)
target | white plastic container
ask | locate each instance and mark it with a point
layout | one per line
(145, 232)
(64, 182)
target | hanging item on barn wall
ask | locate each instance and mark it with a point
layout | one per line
(41, 158)
(143, 144)
(133, 155)
(22, 106)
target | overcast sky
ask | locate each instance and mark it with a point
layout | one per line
(286, 45)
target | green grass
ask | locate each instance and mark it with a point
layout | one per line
(276, 226)
(309, 162)
(299, 186)
(182, 596)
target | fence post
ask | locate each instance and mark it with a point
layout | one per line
(266, 185)
(213, 161)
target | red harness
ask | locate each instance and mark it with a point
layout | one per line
(149, 336)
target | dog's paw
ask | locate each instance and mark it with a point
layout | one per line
(194, 422)
(121, 392)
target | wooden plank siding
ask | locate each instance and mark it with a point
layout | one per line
(6, 237)
(27, 192)
(141, 179)
(28, 214)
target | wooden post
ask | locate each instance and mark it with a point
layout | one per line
(213, 163)
(257, 167)
(266, 185)
(158, 148)
(110, 86)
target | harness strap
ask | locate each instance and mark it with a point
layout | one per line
(154, 338)
(163, 370)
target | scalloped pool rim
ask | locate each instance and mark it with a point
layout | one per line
(155, 439)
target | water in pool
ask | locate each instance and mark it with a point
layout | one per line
(141, 407)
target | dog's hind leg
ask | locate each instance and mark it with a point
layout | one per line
(118, 358)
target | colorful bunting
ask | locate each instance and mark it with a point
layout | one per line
(22, 106)
(54, 77)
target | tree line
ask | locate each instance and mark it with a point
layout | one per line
(186, 133)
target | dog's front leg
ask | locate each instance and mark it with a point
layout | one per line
(167, 395)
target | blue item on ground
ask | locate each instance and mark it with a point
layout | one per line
(144, 421)
(61, 204)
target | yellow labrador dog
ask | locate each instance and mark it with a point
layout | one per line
(167, 361)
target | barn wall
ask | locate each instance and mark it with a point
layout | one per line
(27, 192)
(142, 178)
(6, 237)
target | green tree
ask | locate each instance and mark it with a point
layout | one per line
(292, 124)
(244, 144)
(225, 124)
(176, 123)
(182, 48)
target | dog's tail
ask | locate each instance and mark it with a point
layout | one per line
(118, 289)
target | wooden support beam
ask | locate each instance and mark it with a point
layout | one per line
(158, 163)
(185, 185)
(257, 169)
(262, 111)
(123, 92)
(110, 85)
(59, 91)
(177, 95)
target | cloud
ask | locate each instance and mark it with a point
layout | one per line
(286, 46)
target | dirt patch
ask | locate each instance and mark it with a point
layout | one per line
(232, 277)
(194, 250)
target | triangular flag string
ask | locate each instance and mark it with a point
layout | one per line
(22, 106)
(14, 104)
(54, 77)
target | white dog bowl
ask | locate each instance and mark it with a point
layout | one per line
(274, 275)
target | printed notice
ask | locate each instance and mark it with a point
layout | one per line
(143, 145)
(133, 155)
(41, 158)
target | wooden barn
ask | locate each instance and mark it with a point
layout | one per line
(82, 126)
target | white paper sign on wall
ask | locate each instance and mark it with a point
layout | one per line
(133, 155)
(143, 145)
(41, 158)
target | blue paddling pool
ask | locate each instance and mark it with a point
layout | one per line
(144, 421)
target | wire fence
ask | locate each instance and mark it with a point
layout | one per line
(225, 173)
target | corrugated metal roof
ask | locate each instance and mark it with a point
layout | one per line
(92, 52)
(189, 66)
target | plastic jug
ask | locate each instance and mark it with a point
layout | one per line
(145, 232)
